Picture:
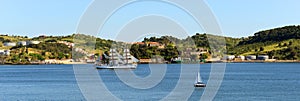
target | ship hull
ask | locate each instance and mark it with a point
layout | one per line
(200, 85)
(117, 67)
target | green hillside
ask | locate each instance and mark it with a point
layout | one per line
(279, 43)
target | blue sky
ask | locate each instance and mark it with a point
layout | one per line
(237, 18)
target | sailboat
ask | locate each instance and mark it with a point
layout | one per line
(117, 61)
(198, 82)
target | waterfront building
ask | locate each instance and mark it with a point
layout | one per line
(9, 44)
(32, 42)
(241, 57)
(229, 57)
(251, 57)
(262, 57)
(4, 52)
(22, 43)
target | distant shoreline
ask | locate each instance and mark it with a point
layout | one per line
(76, 63)
(262, 61)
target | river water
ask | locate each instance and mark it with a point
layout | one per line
(242, 81)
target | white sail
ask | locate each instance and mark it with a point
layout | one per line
(114, 59)
(106, 56)
(127, 57)
(198, 79)
(117, 61)
(134, 59)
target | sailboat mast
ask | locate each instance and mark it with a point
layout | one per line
(126, 55)
(112, 56)
(198, 77)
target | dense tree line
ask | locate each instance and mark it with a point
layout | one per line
(274, 35)
(147, 52)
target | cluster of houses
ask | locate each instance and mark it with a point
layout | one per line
(151, 44)
(26, 43)
(80, 50)
(4, 52)
(188, 54)
(12, 44)
(23, 43)
(249, 57)
(69, 44)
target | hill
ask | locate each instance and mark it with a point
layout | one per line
(279, 43)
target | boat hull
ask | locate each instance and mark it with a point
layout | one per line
(200, 85)
(117, 67)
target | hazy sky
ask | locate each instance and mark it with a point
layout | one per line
(237, 18)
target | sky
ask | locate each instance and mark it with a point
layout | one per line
(237, 18)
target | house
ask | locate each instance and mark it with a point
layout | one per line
(9, 44)
(145, 61)
(240, 57)
(69, 44)
(32, 42)
(80, 51)
(229, 57)
(139, 43)
(251, 57)
(203, 50)
(195, 53)
(1, 52)
(153, 44)
(4, 52)
(262, 57)
(22, 43)
(198, 51)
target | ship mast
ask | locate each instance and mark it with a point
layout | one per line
(112, 56)
(126, 53)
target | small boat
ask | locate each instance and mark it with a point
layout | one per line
(198, 82)
(116, 61)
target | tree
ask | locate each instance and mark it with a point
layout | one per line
(169, 52)
(35, 56)
(292, 55)
(290, 43)
(271, 54)
(15, 59)
(203, 56)
(60, 55)
(2, 59)
(261, 49)
(279, 45)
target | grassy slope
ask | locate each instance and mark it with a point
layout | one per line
(271, 47)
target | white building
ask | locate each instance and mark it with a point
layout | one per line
(241, 57)
(1, 52)
(263, 57)
(22, 43)
(7, 52)
(251, 57)
(32, 42)
(9, 44)
(69, 44)
(229, 57)
(4, 52)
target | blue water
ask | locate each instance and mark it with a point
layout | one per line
(242, 81)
